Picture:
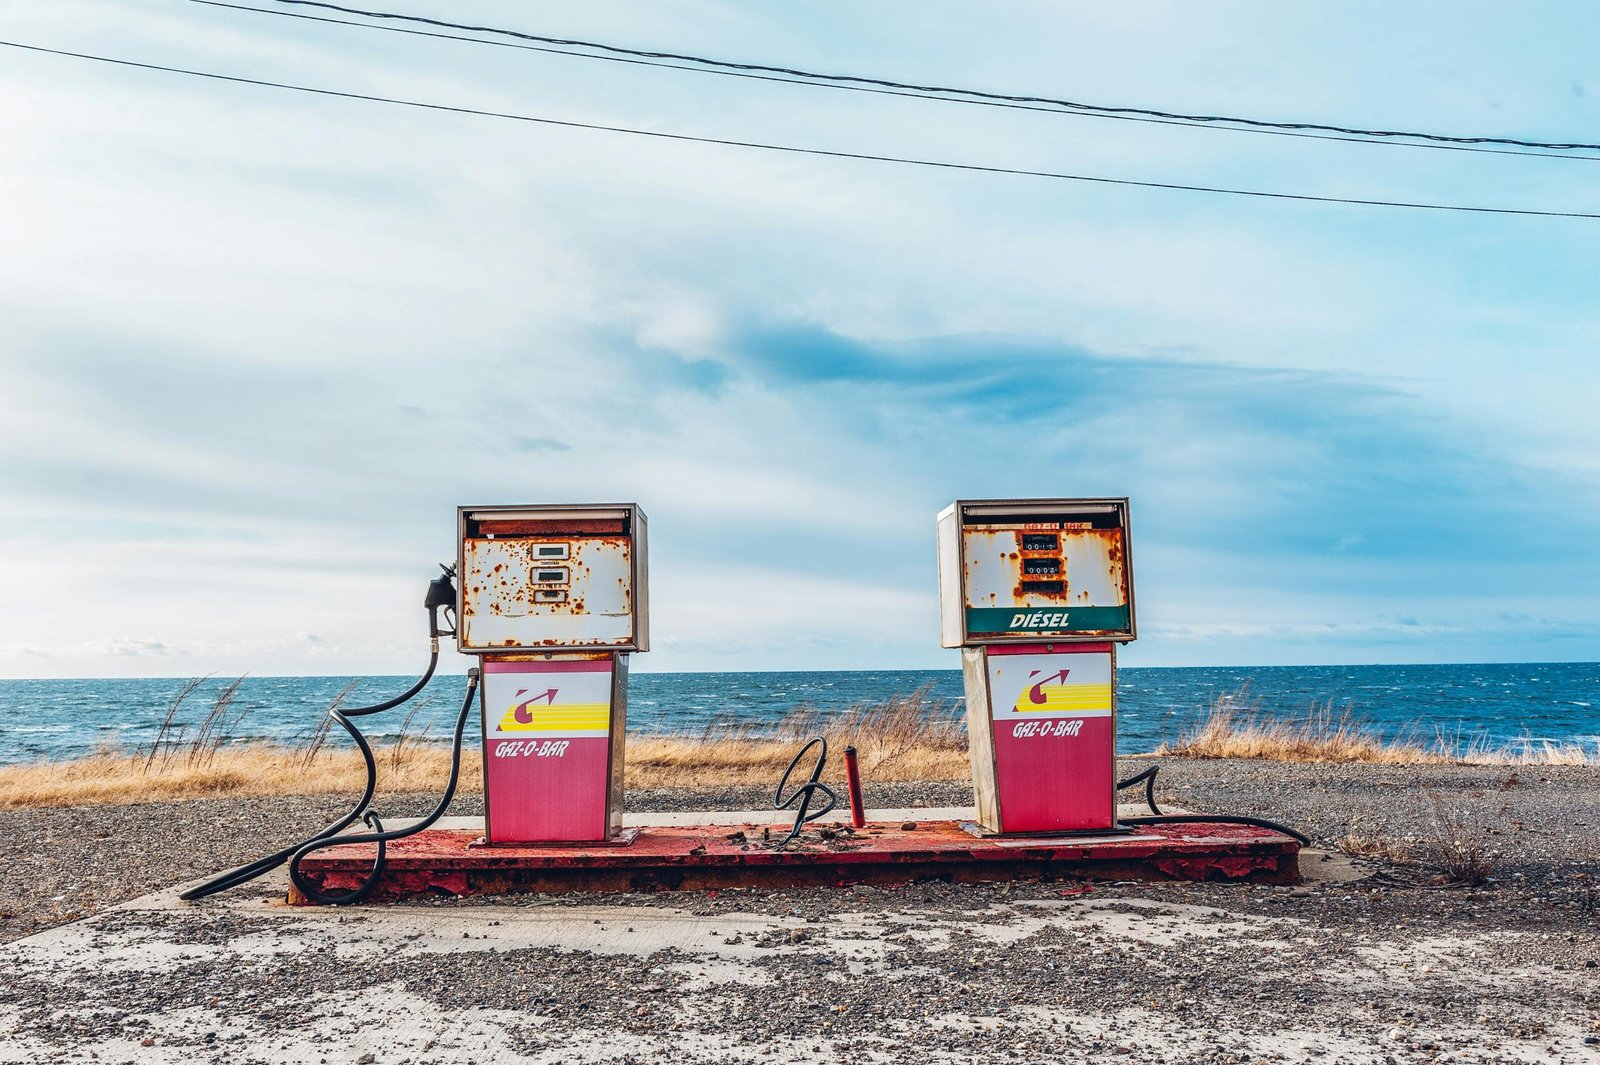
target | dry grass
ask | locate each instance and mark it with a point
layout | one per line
(908, 737)
(913, 737)
(255, 769)
(1452, 842)
(1236, 728)
(1458, 848)
(1378, 845)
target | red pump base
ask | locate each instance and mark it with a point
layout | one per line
(444, 862)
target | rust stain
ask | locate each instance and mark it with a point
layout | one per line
(706, 856)
(551, 527)
(508, 579)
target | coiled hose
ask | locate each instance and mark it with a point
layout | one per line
(804, 792)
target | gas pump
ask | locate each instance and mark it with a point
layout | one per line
(1037, 593)
(553, 599)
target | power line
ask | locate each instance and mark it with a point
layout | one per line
(949, 90)
(796, 150)
(1054, 109)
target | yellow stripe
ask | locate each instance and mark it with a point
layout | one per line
(578, 717)
(1059, 697)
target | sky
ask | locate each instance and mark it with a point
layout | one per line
(256, 346)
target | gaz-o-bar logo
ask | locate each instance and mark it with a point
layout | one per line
(1054, 696)
(542, 711)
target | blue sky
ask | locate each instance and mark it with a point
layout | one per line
(255, 346)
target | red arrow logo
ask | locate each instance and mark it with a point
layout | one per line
(521, 711)
(1036, 693)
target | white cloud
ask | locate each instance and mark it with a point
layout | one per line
(256, 347)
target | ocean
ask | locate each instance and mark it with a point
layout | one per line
(1498, 703)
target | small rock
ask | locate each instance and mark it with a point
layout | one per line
(909, 826)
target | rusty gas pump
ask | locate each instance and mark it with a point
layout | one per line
(552, 601)
(1037, 593)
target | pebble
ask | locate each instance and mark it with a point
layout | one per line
(1226, 989)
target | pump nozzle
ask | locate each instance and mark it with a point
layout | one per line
(441, 593)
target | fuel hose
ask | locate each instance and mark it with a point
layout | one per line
(379, 836)
(1216, 819)
(1148, 777)
(245, 873)
(804, 793)
(441, 596)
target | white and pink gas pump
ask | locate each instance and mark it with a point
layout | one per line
(553, 600)
(1037, 593)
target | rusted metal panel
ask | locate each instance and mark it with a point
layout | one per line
(672, 858)
(552, 526)
(1052, 569)
(512, 597)
(546, 578)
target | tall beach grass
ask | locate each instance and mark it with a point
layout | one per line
(907, 737)
(1234, 726)
(912, 737)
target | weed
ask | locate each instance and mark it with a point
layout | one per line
(1458, 847)
(318, 737)
(404, 741)
(165, 737)
(1376, 845)
(215, 727)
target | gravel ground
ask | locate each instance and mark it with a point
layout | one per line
(1396, 966)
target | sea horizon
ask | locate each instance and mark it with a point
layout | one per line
(1496, 703)
(637, 670)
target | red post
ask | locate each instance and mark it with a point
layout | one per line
(858, 816)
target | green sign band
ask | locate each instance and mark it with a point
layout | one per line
(988, 619)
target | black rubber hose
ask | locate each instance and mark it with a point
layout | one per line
(1149, 778)
(380, 837)
(245, 873)
(410, 693)
(1224, 819)
(805, 791)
